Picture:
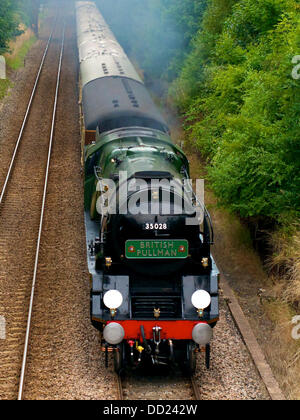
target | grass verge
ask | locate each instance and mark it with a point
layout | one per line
(285, 262)
(14, 62)
(17, 61)
(5, 84)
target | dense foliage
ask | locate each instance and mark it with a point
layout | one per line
(242, 104)
(12, 13)
(8, 23)
(155, 32)
(28, 10)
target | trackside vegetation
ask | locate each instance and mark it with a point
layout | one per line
(12, 13)
(239, 92)
(18, 61)
(15, 14)
(4, 86)
(242, 105)
(156, 33)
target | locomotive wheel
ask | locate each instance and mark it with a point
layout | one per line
(119, 354)
(190, 360)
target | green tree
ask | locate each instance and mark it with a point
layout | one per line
(12, 13)
(157, 33)
(242, 104)
(28, 10)
(8, 24)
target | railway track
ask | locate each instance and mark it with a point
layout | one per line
(24, 360)
(119, 387)
(193, 393)
(23, 199)
(25, 119)
(196, 389)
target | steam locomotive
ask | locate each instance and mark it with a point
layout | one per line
(154, 284)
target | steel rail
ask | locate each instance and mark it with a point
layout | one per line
(120, 394)
(119, 387)
(196, 389)
(25, 353)
(26, 114)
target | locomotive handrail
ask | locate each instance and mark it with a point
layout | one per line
(207, 216)
(211, 226)
(97, 169)
(205, 211)
(99, 179)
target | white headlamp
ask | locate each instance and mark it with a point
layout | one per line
(113, 299)
(201, 299)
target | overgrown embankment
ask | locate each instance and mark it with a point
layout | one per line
(15, 59)
(239, 91)
(248, 104)
(18, 25)
(5, 84)
(19, 48)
